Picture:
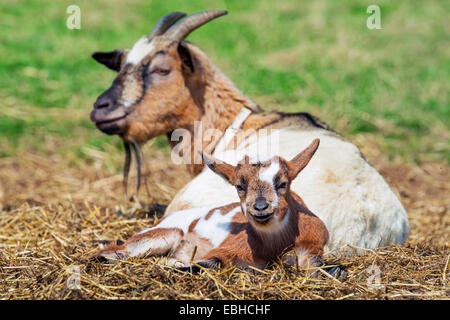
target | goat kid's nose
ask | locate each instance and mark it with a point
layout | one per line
(103, 102)
(260, 204)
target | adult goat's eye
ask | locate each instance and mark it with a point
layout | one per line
(162, 72)
(240, 188)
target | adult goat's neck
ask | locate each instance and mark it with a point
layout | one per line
(215, 100)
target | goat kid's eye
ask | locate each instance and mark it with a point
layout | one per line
(240, 188)
(282, 185)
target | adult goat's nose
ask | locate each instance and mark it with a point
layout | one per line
(260, 204)
(103, 102)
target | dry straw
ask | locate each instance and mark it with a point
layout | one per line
(51, 212)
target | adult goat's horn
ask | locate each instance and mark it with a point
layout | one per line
(182, 29)
(165, 23)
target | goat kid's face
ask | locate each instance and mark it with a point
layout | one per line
(263, 187)
(149, 95)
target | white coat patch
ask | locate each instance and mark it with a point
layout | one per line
(140, 50)
(181, 219)
(269, 174)
(217, 227)
(147, 244)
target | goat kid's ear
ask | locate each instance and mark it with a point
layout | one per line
(299, 162)
(112, 59)
(186, 57)
(223, 169)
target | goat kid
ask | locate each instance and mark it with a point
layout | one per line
(269, 220)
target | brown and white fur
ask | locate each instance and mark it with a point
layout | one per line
(163, 85)
(269, 220)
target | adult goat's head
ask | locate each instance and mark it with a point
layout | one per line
(151, 91)
(152, 84)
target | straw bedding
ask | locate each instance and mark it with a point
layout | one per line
(51, 211)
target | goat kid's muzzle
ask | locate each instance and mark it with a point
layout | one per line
(262, 217)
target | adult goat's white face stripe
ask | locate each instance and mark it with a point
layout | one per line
(140, 50)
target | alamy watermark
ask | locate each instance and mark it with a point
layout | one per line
(74, 19)
(74, 280)
(374, 20)
(374, 280)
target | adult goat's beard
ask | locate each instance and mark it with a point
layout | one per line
(126, 168)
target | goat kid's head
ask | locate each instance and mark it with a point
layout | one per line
(151, 84)
(263, 186)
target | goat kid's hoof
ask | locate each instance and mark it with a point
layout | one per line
(99, 259)
(101, 243)
(190, 269)
(339, 272)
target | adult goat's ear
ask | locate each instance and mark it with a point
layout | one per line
(299, 162)
(223, 169)
(186, 57)
(112, 59)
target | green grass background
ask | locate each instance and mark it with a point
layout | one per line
(389, 85)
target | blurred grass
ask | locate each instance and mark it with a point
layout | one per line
(389, 85)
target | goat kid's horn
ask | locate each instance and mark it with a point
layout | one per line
(165, 23)
(182, 29)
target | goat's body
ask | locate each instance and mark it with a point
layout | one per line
(224, 235)
(348, 194)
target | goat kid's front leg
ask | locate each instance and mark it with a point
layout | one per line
(305, 260)
(200, 265)
(222, 256)
(212, 260)
(302, 258)
(154, 242)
